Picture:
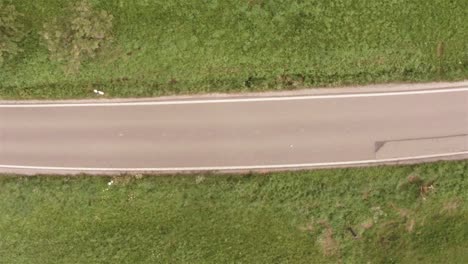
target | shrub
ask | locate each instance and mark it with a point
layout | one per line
(11, 31)
(80, 34)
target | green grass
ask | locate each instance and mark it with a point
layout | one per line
(179, 47)
(294, 217)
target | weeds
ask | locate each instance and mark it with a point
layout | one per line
(79, 34)
(11, 31)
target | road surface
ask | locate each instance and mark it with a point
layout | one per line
(236, 133)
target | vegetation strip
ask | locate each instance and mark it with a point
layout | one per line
(147, 48)
(391, 214)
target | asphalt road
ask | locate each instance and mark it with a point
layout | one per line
(235, 133)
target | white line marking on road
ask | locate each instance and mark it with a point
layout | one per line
(241, 100)
(231, 168)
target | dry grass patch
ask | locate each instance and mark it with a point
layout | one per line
(329, 245)
(452, 206)
(410, 224)
(368, 224)
(309, 227)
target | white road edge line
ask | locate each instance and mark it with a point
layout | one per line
(230, 168)
(240, 100)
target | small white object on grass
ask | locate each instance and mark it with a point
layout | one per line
(98, 92)
(110, 183)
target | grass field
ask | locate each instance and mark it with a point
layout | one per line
(178, 47)
(401, 214)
